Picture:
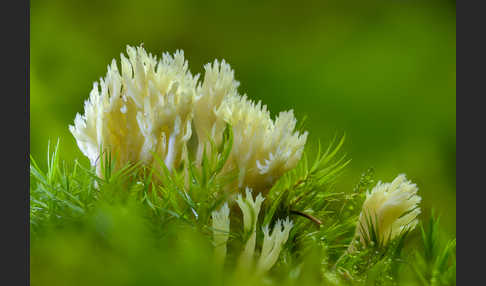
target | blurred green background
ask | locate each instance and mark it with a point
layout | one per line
(383, 72)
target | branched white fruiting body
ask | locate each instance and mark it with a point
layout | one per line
(146, 109)
(149, 107)
(283, 147)
(250, 209)
(221, 228)
(272, 244)
(219, 82)
(263, 149)
(391, 207)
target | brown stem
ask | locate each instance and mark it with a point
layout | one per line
(308, 216)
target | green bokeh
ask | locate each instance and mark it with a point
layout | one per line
(383, 72)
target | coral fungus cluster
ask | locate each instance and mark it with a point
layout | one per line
(151, 107)
(150, 110)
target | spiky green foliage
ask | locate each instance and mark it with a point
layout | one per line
(144, 226)
(435, 262)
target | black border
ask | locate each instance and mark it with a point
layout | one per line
(470, 131)
(15, 138)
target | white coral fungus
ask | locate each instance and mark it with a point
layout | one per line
(149, 109)
(272, 244)
(221, 228)
(219, 83)
(391, 208)
(263, 149)
(145, 109)
(250, 209)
